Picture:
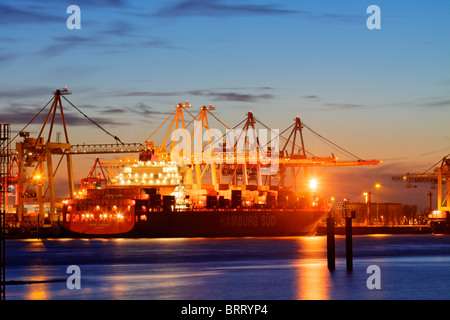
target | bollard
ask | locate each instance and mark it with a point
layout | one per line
(349, 240)
(331, 248)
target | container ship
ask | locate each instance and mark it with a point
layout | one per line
(161, 191)
(147, 198)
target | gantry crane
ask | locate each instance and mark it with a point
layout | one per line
(245, 155)
(36, 153)
(440, 177)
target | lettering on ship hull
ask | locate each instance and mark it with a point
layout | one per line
(248, 221)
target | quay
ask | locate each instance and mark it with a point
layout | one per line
(56, 231)
(391, 229)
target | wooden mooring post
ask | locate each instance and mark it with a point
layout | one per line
(349, 243)
(331, 245)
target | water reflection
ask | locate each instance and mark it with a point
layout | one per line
(35, 245)
(38, 291)
(313, 279)
(228, 269)
(171, 285)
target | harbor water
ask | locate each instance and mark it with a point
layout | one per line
(295, 268)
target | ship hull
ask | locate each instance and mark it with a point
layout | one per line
(229, 224)
(440, 227)
(211, 223)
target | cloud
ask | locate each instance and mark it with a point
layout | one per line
(344, 105)
(27, 93)
(141, 109)
(149, 94)
(332, 105)
(332, 17)
(212, 94)
(216, 8)
(23, 15)
(145, 110)
(63, 44)
(430, 102)
(115, 111)
(158, 43)
(438, 103)
(78, 120)
(120, 28)
(21, 113)
(101, 110)
(123, 42)
(103, 3)
(6, 57)
(231, 96)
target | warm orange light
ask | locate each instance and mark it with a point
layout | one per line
(313, 280)
(366, 194)
(313, 184)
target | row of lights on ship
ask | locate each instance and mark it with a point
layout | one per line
(103, 216)
(173, 176)
(165, 181)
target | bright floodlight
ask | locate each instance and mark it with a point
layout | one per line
(313, 184)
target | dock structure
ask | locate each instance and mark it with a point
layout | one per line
(440, 177)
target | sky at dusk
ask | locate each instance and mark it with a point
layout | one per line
(381, 94)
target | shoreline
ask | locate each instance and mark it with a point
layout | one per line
(395, 229)
(55, 233)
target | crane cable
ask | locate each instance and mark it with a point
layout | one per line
(280, 135)
(29, 122)
(434, 165)
(106, 131)
(332, 143)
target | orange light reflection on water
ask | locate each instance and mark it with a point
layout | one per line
(379, 235)
(38, 291)
(313, 279)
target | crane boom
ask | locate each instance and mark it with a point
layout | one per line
(132, 147)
